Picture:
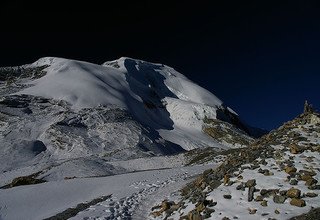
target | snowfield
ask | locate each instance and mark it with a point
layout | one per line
(132, 195)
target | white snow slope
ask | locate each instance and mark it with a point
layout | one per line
(157, 95)
(132, 195)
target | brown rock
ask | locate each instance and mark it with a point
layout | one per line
(277, 211)
(258, 199)
(298, 202)
(311, 182)
(264, 203)
(294, 193)
(306, 172)
(306, 177)
(252, 211)
(200, 207)
(194, 215)
(268, 173)
(156, 214)
(184, 217)
(251, 183)
(226, 179)
(295, 149)
(290, 170)
(165, 205)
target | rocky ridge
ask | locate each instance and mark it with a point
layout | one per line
(276, 177)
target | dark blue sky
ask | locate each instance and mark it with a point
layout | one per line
(260, 57)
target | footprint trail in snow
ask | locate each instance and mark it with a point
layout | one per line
(145, 193)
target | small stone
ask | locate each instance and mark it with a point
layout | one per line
(207, 212)
(293, 182)
(294, 193)
(279, 199)
(311, 194)
(295, 149)
(250, 193)
(227, 196)
(241, 186)
(277, 211)
(225, 218)
(268, 173)
(226, 179)
(264, 203)
(290, 170)
(269, 192)
(210, 203)
(251, 183)
(298, 202)
(311, 182)
(258, 198)
(252, 211)
(240, 177)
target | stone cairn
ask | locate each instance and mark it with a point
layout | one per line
(307, 108)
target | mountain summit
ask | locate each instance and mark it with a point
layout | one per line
(60, 109)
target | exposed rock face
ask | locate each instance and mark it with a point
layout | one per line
(225, 132)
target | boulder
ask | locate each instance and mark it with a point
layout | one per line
(294, 193)
(311, 182)
(279, 199)
(297, 202)
(290, 169)
(311, 194)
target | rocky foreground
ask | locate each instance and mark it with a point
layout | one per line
(276, 177)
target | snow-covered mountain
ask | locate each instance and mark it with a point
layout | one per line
(56, 110)
(128, 139)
